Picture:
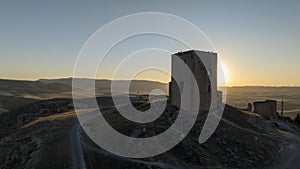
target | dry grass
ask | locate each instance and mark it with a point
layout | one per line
(48, 96)
(61, 116)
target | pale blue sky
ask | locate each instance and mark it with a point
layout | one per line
(257, 40)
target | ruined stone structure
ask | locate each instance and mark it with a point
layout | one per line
(205, 72)
(267, 109)
(249, 107)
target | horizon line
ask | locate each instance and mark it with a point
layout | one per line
(60, 78)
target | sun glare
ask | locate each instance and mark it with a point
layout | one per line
(223, 75)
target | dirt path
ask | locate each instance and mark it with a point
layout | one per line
(77, 154)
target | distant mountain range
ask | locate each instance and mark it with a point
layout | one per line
(103, 86)
(15, 93)
(47, 87)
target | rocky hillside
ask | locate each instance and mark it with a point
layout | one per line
(242, 140)
(42, 135)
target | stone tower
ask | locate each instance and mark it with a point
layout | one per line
(203, 65)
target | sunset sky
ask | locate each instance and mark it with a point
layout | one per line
(258, 41)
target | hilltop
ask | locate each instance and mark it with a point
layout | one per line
(46, 134)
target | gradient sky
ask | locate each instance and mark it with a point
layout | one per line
(258, 41)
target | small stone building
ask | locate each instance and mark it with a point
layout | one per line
(267, 109)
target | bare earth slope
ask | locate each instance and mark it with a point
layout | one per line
(48, 139)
